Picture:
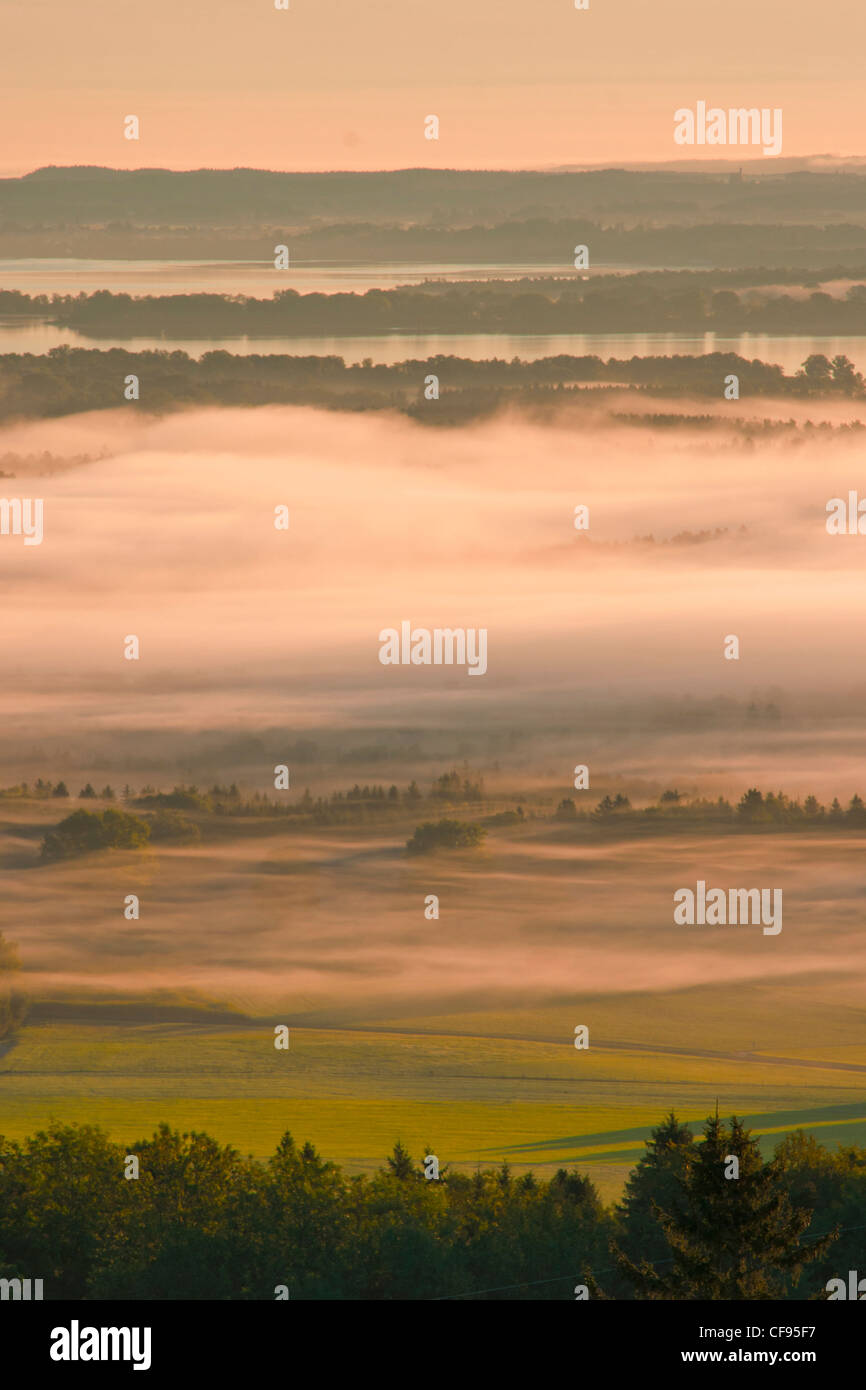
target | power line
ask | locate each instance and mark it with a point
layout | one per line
(560, 1278)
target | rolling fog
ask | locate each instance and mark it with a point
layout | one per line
(601, 648)
(594, 639)
(331, 926)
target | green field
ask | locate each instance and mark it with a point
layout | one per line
(477, 1099)
(458, 1032)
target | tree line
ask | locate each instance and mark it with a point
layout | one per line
(608, 304)
(755, 809)
(200, 1221)
(719, 238)
(448, 786)
(160, 815)
(69, 380)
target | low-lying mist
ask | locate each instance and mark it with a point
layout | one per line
(610, 639)
(605, 647)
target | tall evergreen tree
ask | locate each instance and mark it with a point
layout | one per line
(654, 1186)
(733, 1237)
(400, 1163)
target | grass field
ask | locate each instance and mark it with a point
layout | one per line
(476, 1099)
(458, 1033)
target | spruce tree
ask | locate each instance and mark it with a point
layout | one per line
(652, 1186)
(400, 1163)
(730, 1237)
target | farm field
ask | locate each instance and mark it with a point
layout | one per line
(458, 1032)
(478, 1099)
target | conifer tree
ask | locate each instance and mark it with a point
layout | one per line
(732, 1237)
(653, 1186)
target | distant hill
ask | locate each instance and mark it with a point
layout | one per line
(88, 195)
(726, 216)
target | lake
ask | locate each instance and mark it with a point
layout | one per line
(66, 275)
(789, 353)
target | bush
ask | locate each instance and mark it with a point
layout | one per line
(85, 831)
(171, 825)
(445, 834)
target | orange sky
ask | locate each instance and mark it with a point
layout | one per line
(347, 83)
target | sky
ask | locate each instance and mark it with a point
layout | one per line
(329, 84)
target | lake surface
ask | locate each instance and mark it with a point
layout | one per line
(41, 275)
(789, 353)
(68, 276)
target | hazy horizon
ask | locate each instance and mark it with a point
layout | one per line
(323, 86)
